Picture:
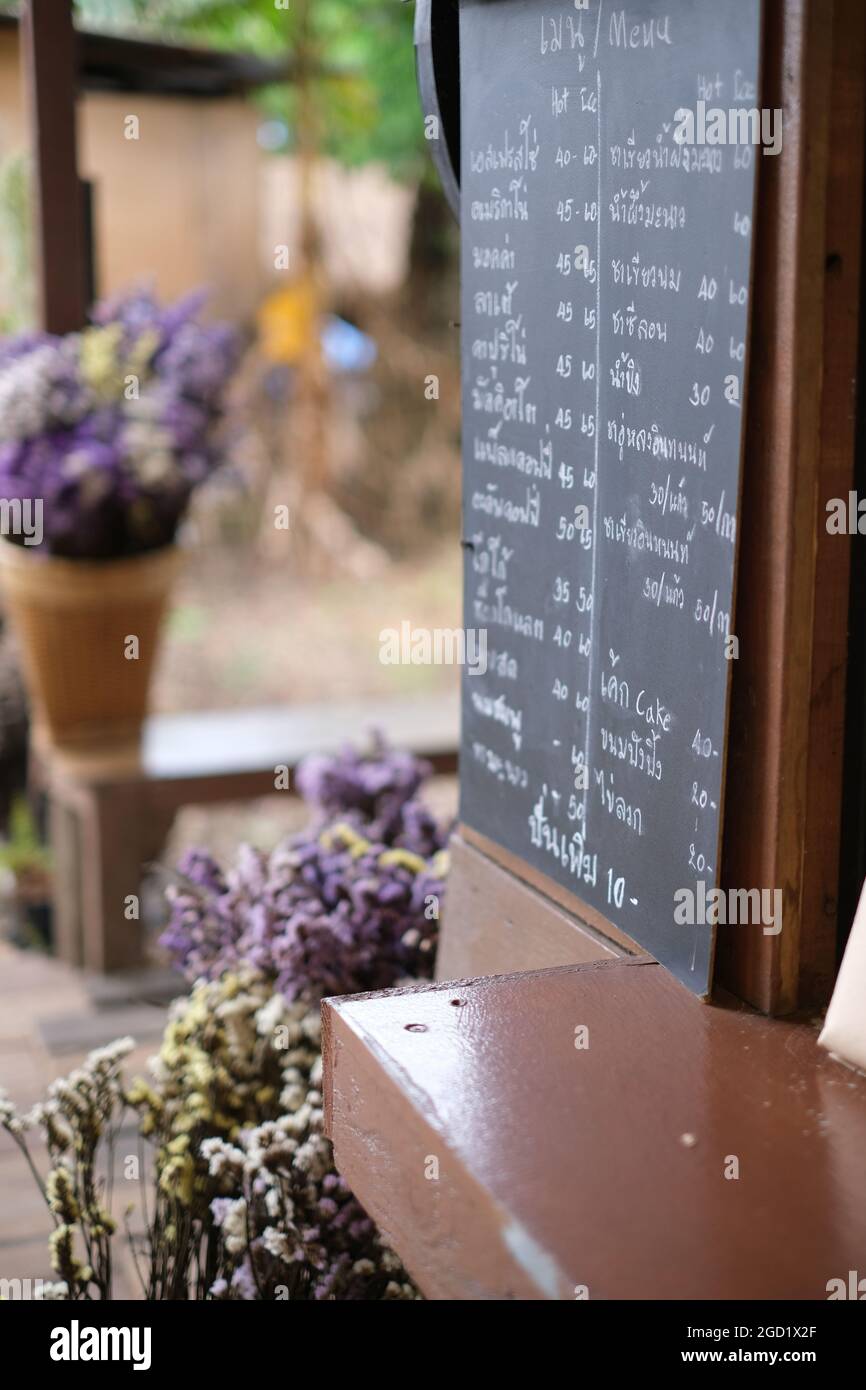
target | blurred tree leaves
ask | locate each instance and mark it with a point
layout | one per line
(360, 54)
(17, 290)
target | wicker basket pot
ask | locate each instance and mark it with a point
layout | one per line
(76, 621)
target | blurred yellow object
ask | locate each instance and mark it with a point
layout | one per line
(288, 322)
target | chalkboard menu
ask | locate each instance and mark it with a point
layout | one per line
(606, 254)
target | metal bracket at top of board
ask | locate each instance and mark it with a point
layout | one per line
(437, 50)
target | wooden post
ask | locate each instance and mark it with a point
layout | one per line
(786, 761)
(50, 57)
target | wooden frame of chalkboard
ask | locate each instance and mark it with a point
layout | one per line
(788, 746)
(783, 818)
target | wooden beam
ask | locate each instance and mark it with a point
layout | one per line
(112, 63)
(673, 1150)
(826, 909)
(784, 790)
(51, 73)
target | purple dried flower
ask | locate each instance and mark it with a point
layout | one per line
(327, 913)
(348, 905)
(377, 788)
(113, 428)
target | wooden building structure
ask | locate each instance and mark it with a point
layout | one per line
(501, 1161)
(77, 88)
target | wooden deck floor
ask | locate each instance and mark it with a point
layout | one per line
(48, 1023)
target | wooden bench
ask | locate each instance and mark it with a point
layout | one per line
(110, 815)
(503, 1160)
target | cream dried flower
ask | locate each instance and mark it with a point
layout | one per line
(222, 1158)
(61, 1196)
(277, 1243)
(52, 1292)
(9, 1117)
(234, 1226)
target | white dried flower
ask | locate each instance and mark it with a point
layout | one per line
(221, 1157)
(314, 1157)
(270, 1015)
(53, 1293)
(9, 1117)
(234, 1226)
(292, 1097)
(313, 1027)
(104, 1057)
(277, 1243)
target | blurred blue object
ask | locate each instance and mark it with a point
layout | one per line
(346, 348)
(273, 135)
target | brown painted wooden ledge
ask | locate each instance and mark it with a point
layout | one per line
(604, 1167)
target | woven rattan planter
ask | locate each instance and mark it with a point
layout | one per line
(74, 620)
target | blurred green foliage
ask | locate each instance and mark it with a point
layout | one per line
(24, 851)
(17, 290)
(365, 104)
